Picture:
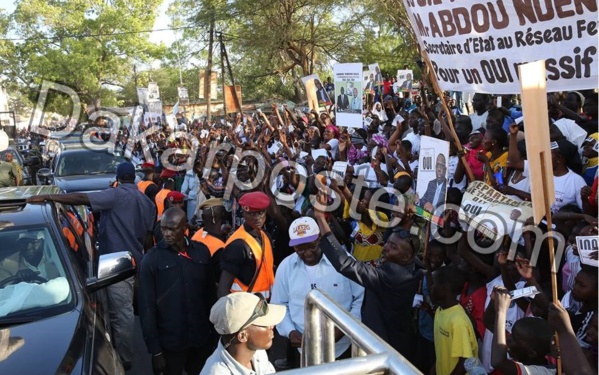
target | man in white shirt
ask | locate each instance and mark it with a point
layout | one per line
(303, 271)
(479, 117)
(245, 322)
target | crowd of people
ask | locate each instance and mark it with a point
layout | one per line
(245, 219)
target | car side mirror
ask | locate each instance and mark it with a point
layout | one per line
(44, 176)
(112, 268)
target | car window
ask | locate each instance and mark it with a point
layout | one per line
(32, 274)
(72, 231)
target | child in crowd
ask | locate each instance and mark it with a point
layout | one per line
(454, 337)
(435, 259)
(528, 345)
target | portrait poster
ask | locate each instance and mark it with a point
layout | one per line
(142, 96)
(588, 250)
(405, 80)
(376, 71)
(432, 179)
(183, 96)
(153, 92)
(348, 94)
(316, 93)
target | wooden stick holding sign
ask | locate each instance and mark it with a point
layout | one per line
(533, 86)
(439, 93)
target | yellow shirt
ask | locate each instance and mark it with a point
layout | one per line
(454, 338)
(499, 164)
(368, 241)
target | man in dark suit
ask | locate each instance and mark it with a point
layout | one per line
(435, 192)
(342, 100)
(389, 289)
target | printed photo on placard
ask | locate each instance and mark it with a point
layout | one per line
(378, 76)
(588, 250)
(348, 92)
(153, 92)
(317, 94)
(432, 173)
(404, 78)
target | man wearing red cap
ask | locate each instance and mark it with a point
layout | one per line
(147, 185)
(173, 199)
(247, 263)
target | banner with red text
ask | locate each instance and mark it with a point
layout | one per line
(477, 46)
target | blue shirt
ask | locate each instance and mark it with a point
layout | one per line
(126, 215)
(425, 320)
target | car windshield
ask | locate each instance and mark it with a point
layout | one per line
(87, 162)
(32, 276)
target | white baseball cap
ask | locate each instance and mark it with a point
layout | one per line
(303, 230)
(236, 311)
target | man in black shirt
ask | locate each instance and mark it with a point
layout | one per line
(177, 290)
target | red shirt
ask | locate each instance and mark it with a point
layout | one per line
(474, 304)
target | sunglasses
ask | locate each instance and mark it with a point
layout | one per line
(260, 310)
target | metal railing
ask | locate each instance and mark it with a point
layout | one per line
(370, 354)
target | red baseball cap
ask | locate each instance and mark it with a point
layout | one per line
(148, 165)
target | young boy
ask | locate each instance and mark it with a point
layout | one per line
(454, 336)
(435, 259)
(529, 343)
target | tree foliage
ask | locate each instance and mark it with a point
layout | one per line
(88, 45)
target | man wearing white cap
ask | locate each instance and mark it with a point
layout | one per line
(303, 271)
(246, 323)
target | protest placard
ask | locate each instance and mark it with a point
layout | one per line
(432, 173)
(142, 95)
(155, 107)
(588, 248)
(492, 213)
(317, 95)
(477, 46)
(404, 78)
(348, 91)
(340, 168)
(183, 96)
(376, 71)
(153, 92)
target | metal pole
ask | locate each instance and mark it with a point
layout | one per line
(313, 339)
(329, 339)
(356, 351)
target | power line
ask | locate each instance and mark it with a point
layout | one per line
(83, 36)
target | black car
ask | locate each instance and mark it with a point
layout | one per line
(81, 170)
(53, 320)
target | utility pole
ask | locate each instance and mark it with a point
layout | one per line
(222, 69)
(135, 75)
(208, 77)
(235, 97)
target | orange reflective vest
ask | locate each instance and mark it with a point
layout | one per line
(68, 233)
(210, 241)
(264, 263)
(143, 185)
(160, 197)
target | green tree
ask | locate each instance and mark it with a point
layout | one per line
(88, 45)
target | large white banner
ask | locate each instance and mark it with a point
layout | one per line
(477, 46)
(348, 94)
